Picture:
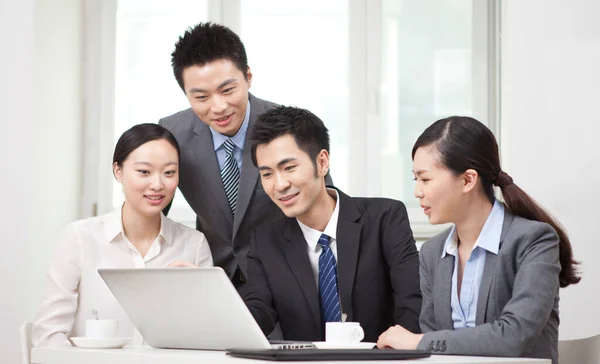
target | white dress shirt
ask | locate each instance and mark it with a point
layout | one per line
(312, 236)
(74, 288)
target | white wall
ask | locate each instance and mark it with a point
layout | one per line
(40, 147)
(16, 156)
(550, 130)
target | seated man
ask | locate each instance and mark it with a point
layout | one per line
(331, 255)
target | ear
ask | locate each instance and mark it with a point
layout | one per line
(118, 172)
(249, 77)
(470, 178)
(323, 163)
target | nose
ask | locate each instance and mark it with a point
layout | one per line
(156, 183)
(219, 104)
(282, 183)
(418, 192)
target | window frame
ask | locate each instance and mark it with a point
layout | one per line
(365, 20)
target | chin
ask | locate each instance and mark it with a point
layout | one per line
(292, 211)
(289, 212)
(153, 210)
(437, 221)
(231, 128)
(434, 221)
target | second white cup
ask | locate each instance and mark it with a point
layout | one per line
(102, 329)
(344, 332)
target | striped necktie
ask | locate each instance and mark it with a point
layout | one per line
(328, 288)
(230, 174)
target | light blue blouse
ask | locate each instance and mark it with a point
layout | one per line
(464, 310)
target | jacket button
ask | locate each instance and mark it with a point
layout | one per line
(443, 346)
(430, 346)
(436, 347)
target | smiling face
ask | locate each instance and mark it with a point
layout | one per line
(289, 178)
(218, 94)
(149, 176)
(440, 192)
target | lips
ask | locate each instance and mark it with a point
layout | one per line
(288, 199)
(222, 121)
(155, 199)
(426, 209)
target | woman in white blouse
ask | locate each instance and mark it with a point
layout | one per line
(137, 235)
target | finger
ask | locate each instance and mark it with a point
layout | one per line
(382, 337)
(176, 264)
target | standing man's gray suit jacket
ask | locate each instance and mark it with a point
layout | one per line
(201, 185)
(517, 307)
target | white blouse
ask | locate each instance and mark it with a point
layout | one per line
(74, 288)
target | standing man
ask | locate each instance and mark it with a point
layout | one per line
(217, 177)
(331, 254)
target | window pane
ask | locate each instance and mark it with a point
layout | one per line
(298, 54)
(146, 89)
(426, 75)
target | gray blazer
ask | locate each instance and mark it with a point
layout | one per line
(201, 185)
(517, 307)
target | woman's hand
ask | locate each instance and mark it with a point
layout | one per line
(181, 264)
(398, 337)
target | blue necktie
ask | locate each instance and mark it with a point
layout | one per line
(230, 174)
(328, 289)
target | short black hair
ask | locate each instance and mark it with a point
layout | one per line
(204, 43)
(308, 130)
(138, 135)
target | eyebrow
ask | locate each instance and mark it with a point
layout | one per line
(221, 85)
(282, 162)
(419, 171)
(172, 163)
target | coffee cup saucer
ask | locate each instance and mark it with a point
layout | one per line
(100, 343)
(338, 345)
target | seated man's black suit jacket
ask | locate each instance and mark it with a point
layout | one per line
(377, 271)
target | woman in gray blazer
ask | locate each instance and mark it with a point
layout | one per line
(490, 283)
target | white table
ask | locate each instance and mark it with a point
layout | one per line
(149, 355)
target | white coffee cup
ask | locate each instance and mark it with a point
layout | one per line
(344, 332)
(102, 329)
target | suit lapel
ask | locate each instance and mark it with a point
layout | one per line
(348, 244)
(295, 251)
(207, 158)
(249, 173)
(485, 287)
(443, 311)
(483, 300)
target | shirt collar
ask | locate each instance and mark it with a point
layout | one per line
(311, 235)
(113, 227)
(451, 244)
(238, 139)
(489, 237)
(166, 229)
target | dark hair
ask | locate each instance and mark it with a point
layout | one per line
(308, 130)
(465, 143)
(138, 135)
(204, 43)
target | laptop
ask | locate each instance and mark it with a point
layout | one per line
(188, 308)
(330, 354)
